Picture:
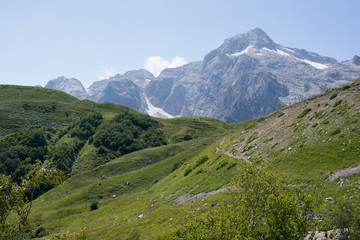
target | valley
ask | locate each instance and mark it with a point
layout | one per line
(150, 191)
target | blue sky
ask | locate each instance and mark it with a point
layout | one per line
(90, 40)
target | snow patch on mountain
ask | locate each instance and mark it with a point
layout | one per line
(155, 111)
(282, 52)
(314, 64)
(246, 50)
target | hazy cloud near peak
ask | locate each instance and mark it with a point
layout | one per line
(155, 64)
(106, 73)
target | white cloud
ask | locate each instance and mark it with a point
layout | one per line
(155, 64)
(106, 73)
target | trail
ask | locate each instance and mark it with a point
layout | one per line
(238, 156)
(345, 172)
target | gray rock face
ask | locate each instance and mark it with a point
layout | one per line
(247, 77)
(356, 60)
(140, 78)
(124, 92)
(71, 86)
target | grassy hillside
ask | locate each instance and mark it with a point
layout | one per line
(44, 124)
(149, 193)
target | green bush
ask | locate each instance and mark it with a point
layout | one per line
(334, 132)
(303, 113)
(93, 206)
(40, 232)
(201, 160)
(187, 171)
(338, 102)
(334, 95)
(346, 86)
(261, 205)
(268, 139)
(346, 218)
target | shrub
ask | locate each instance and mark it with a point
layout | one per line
(338, 102)
(201, 160)
(222, 164)
(346, 218)
(252, 137)
(93, 206)
(303, 113)
(334, 95)
(187, 171)
(175, 166)
(281, 114)
(336, 131)
(40, 232)
(261, 205)
(346, 86)
(187, 137)
(274, 145)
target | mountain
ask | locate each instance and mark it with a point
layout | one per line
(247, 77)
(126, 89)
(69, 85)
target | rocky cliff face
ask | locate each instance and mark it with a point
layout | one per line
(247, 77)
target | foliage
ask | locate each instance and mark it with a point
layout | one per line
(262, 206)
(188, 170)
(62, 156)
(338, 102)
(334, 95)
(335, 131)
(79, 235)
(201, 160)
(128, 132)
(346, 218)
(346, 86)
(198, 162)
(19, 198)
(303, 113)
(20, 150)
(93, 206)
(86, 127)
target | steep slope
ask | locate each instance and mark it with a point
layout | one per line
(138, 77)
(151, 192)
(319, 135)
(71, 86)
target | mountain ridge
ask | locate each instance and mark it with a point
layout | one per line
(246, 77)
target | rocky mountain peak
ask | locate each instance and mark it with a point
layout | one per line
(68, 85)
(240, 43)
(256, 38)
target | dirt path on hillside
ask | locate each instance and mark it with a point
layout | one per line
(345, 172)
(186, 198)
(238, 156)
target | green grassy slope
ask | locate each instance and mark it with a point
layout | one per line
(309, 142)
(155, 176)
(64, 121)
